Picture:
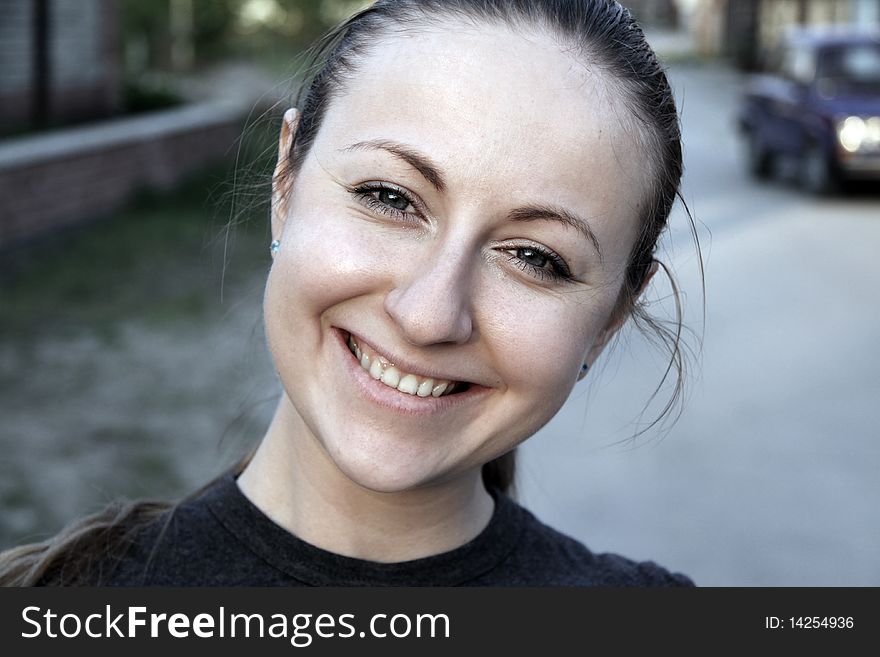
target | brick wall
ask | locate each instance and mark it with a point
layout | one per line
(73, 175)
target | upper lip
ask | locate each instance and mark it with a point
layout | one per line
(405, 365)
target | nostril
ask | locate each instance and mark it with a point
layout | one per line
(431, 310)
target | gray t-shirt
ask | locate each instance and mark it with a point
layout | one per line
(221, 539)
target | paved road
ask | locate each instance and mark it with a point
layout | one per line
(772, 475)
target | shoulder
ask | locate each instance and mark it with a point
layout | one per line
(187, 545)
(179, 536)
(544, 556)
(88, 551)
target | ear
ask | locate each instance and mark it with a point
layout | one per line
(614, 326)
(281, 179)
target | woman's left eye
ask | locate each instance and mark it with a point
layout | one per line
(386, 200)
(541, 263)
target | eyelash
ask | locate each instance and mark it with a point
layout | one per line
(559, 271)
(364, 193)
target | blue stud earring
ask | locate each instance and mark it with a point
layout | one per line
(274, 246)
(585, 368)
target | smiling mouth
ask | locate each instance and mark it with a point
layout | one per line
(384, 371)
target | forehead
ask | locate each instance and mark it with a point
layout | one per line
(502, 112)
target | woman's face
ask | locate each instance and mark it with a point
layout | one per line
(462, 222)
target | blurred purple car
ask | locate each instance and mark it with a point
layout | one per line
(819, 106)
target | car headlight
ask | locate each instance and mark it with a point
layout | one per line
(851, 132)
(855, 133)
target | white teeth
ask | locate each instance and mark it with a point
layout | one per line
(391, 376)
(408, 384)
(383, 370)
(425, 388)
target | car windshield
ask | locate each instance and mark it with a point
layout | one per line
(852, 68)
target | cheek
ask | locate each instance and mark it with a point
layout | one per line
(540, 343)
(324, 260)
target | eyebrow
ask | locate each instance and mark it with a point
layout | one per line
(429, 170)
(553, 213)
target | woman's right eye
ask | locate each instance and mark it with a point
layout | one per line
(387, 200)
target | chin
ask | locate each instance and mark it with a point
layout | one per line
(387, 468)
(384, 480)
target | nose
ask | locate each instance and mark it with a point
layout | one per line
(432, 303)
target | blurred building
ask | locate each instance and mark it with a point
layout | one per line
(60, 64)
(59, 61)
(742, 29)
(654, 13)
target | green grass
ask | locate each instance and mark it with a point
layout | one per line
(163, 259)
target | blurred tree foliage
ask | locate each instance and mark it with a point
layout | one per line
(222, 29)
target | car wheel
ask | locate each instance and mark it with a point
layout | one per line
(816, 175)
(759, 157)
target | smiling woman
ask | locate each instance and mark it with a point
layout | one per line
(465, 210)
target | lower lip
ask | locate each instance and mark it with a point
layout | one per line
(394, 400)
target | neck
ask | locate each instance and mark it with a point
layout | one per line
(294, 482)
